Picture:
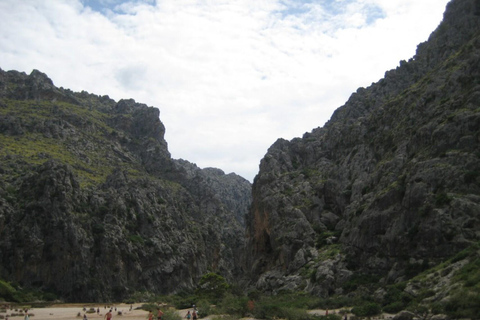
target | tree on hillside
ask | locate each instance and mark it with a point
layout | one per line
(212, 287)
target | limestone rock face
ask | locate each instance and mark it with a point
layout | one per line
(233, 190)
(389, 185)
(93, 207)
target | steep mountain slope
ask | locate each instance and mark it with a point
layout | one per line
(388, 187)
(93, 208)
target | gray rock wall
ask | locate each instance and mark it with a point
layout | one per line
(389, 185)
(93, 208)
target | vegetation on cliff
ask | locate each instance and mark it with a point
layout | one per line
(93, 208)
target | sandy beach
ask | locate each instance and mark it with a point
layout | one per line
(76, 312)
(71, 312)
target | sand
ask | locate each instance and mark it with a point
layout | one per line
(71, 311)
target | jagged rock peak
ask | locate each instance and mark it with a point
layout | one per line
(389, 185)
(461, 22)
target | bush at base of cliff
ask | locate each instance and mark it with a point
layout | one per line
(204, 308)
(290, 306)
(168, 314)
(275, 311)
(394, 307)
(463, 305)
(297, 300)
(7, 292)
(367, 309)
(212, 287)
(225, 317)
(171, 315)
(14, 294)
(179, 301)
(234, 305)
(329, 317)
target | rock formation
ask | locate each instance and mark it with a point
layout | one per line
(93, 207)
(389, 186)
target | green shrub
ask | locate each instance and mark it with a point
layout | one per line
(7, 292)
(212, 287)
(323, 236)
(469, 273)
(287, 306)
(266, 311)
(463, 305)
(329, 317)
(234, 305)
(168, 314)
(294, 314)
(395, 294)
(461, 255)
(413, 269)
(180, 301)
(336, 302)
(394, 307)
(225, 317)
(471, 176)
(204, 308)
(295, 300)
(171, 314)
(49, 296)
(136, 239)
(359, 280)
(367, 309)
(437, 308)
(442, 199)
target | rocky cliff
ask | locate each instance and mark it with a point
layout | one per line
(389, 187)
(93, 207)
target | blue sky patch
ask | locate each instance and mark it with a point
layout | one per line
(331, 8)
(103, 6)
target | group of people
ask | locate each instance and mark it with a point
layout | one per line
(192, 315)
(189, 316)
(107, 316)
(159, 314)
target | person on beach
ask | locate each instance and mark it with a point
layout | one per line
(159, 314)
(108, 315)
(194, 315)
(150, 315)
(189, 315)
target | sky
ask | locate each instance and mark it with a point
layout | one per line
(229, 77)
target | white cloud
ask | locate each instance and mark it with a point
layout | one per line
(229, 77)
